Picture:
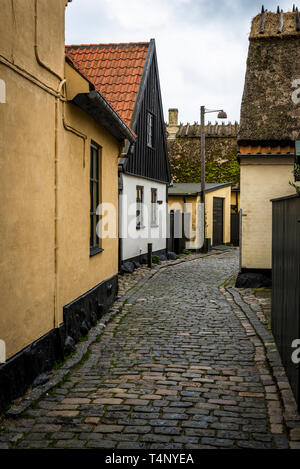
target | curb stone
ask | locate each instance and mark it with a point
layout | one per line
(94, 333)
(291, 417)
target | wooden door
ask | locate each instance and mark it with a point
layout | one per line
(218, 224)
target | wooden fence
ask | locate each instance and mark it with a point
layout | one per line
(286, 285)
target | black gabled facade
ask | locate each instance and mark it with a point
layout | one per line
(147, 161)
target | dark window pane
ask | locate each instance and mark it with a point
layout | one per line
(95, 194)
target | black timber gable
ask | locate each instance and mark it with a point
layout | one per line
(144, 160)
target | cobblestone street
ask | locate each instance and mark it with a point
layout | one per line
(178, 367)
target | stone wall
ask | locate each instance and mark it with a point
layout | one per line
(184, 147)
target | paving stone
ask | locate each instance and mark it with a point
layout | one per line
(62, 436)
(295, 434)
(218, 442)
(131, 445)
(178, 367)
(69, 444)
(167, 430)
(108, 401)
(46, 428)
(35, 444)
(295, 444)
(77, 400)
(4, 446)
(108, 428)
(138, 429)
(135, 402)
(63, 413)
(93, 420)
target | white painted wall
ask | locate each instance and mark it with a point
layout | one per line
(134, 242)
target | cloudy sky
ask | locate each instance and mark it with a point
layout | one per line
(201, 44)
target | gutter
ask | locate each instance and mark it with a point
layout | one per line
(261, 156)
(95, 97)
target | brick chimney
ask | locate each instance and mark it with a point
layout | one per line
(173, 116)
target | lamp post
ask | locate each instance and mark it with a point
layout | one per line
(221, 115)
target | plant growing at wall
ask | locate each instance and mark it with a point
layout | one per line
(155, 260)
(221, 161)
(296, 173)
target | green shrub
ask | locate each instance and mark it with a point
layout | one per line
(155, 260)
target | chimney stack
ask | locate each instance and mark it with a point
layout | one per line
(173, 116)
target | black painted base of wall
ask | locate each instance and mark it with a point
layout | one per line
(19, 371)
(143, 258)
(254, 278)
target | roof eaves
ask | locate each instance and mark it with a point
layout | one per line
(97, 106)
(77, 69)
(182, 194)
(219, 186)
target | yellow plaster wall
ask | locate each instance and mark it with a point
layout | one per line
(30, 27)
(261, 181)
(27, 180)
(26, 211)
(78, 272)
(177, 203)
(235, 195)
(225, 193)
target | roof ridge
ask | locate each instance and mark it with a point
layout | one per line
(108, 44)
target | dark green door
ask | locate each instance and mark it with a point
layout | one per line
(218, 215)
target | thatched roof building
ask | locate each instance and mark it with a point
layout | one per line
(270, 111)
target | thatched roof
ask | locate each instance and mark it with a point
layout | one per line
(268, 112)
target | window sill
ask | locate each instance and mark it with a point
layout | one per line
(140, 227)
(154, 226)
(94, 251)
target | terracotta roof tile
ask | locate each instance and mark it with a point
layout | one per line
(114, 69)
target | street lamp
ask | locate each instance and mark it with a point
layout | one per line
(221, 115)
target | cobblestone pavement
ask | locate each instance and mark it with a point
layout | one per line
(178, 367)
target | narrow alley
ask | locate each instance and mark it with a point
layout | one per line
(174, 369)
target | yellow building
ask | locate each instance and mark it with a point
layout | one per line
(187, 198)
(60, 144)
(269, 130)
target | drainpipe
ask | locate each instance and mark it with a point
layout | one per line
(69, 128)
(56, 200)
(60, 98)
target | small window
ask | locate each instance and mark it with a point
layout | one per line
(139, 207)
(154, 207)
(95, 166)
(150, 129)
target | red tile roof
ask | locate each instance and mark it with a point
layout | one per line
(114, 69)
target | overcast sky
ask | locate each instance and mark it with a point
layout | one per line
(201, 44)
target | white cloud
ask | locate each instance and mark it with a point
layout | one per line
(201, 46)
